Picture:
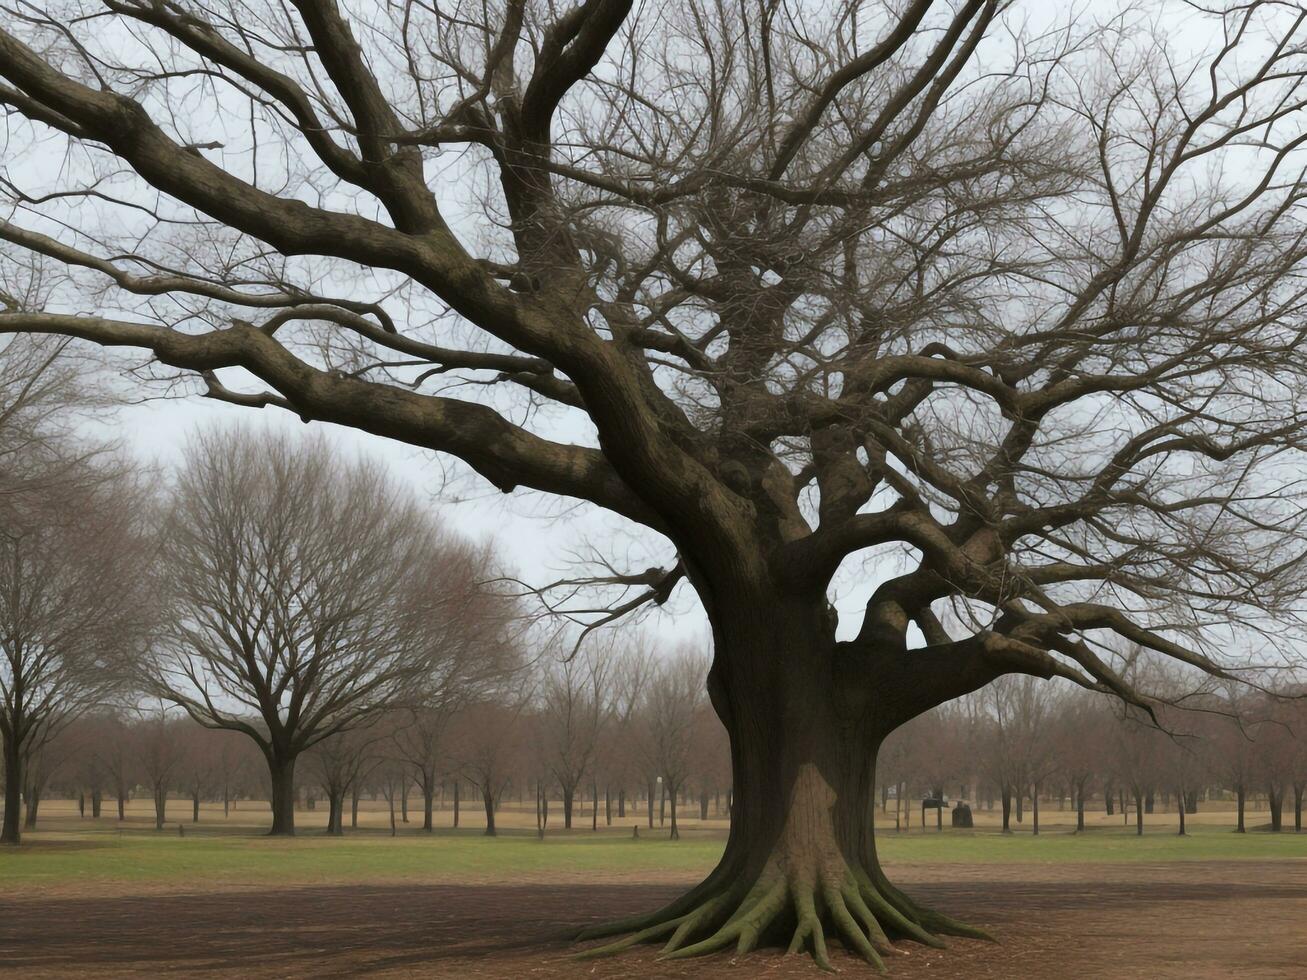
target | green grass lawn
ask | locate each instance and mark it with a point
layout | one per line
(105, 856)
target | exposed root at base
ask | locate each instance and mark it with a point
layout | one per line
(866, 915)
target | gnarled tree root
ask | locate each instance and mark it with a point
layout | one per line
(848, 904)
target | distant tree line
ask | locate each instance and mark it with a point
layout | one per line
(615, 736)
(1020, 741)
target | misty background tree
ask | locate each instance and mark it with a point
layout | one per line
(989, 318)
(74, 608)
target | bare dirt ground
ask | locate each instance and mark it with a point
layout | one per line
(1245, 919)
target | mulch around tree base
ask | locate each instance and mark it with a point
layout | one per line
(1245, 919)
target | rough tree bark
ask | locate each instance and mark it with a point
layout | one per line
(809, 738)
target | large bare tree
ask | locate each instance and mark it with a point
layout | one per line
(1010, 304)
(309, 593)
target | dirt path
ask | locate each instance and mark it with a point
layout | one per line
(1174, 920)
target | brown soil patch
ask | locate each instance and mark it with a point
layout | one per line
(1169, 920)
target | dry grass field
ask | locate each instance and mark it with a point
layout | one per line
(96, 898)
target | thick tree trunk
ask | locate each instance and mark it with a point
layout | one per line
(11, 833)
(282, 773)
(1107, 800)
(122, 804)
(569, 798)
(1275, 798)
(195, 807)
(703, 805)
(1080, 806)
(97, 803)
(1298, 790)
(621, 804)
(1005, 793)
(403, 801)
(1180, 808)
(488, 799)
(1139, 813)
(1242, 797)
(649, 800)
(1034, 809)
(428, 805)
(456, 802)
(594, 810)
(354, 808)
(805, 724)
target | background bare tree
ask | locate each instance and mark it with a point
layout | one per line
(476, 651)
(575, 698)
(673, 699)
(310, 594)
(487, 742)
(159, 741)
(1011, 305)
(340, 762)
